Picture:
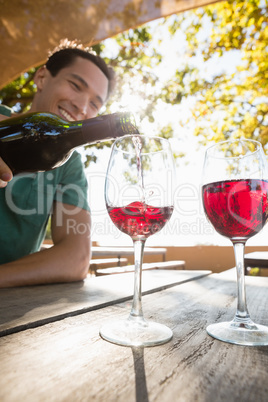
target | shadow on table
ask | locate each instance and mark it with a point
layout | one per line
(140, 376)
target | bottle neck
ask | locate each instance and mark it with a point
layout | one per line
(108, 127)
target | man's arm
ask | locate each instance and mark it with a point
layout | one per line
(66, 261)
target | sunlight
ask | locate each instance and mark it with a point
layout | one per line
(163, 100)
(130, 101)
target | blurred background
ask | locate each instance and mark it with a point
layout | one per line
(194, 77)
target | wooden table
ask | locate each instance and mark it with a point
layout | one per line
(32, 306)
(99, 251)
(119, 252)
(53, 351)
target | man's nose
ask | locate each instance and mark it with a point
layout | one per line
(84, 111)
(82, 106)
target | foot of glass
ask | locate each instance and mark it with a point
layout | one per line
(140, 333)
(240, 333)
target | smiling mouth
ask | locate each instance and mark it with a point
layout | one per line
(66, 115)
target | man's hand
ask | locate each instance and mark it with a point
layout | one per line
(5, 174)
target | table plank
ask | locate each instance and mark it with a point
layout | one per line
(100, 251)
(258, 256)
(257, 259)
(27, 307)
(126, 251)
(67, 360)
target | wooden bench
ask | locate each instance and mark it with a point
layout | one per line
(119, 252)
(257, 259)
(99, 263)
(131, 268)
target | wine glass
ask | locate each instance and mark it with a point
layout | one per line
(139, 201)
(234, 193)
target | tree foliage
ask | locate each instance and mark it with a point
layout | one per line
(225, 104)
(228, 105)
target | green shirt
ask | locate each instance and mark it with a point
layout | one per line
(27, 201)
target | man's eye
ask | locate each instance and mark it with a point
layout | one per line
(75, 85)
(93, 104)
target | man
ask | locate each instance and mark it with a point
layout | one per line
(73, 84)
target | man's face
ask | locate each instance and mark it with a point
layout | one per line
(77, 92)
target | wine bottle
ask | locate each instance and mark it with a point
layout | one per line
(43, 141)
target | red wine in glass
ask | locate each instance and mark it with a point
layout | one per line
(139, 219)
(235, 200)
(139, 201)
(236, 208)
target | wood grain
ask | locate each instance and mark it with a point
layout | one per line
(28, 307)
(68, 361)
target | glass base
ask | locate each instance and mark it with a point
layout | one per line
(239, 333)
(138, 332)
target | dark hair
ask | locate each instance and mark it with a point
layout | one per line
(66, 53)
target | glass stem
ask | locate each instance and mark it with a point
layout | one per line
(136, 310)
(242, 314)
